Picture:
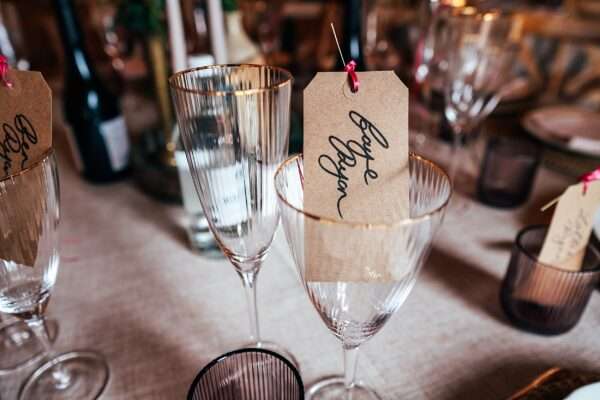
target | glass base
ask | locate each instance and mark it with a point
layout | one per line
(19, 346)
(333, 388)
(78, 375)
(274, 347)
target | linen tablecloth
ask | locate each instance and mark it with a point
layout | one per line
(130, 288)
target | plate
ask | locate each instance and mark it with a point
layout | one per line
(567, 128)
(561, 384)
(516, 96)
(589, 392)
(518, 89)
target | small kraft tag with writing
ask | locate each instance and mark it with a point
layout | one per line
(25, 138)
(565, 245)
(355, 172)
(571, 227)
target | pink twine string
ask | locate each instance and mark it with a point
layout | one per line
(588, 178)
(4, 67)
(350, 68)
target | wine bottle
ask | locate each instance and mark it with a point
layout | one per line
(97, 133)
(352, 45)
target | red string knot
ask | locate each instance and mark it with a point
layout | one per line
(350, 68)
(4, 67)
(589, 177)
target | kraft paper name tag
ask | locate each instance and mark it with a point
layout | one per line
(25, 137)
(355, 170)
(571, 227)
(26, 118)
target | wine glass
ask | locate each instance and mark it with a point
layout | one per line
(29, 261)
(432, 61)
(482, 48)
(356, 311)
(234, 123)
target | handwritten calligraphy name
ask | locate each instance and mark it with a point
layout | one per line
(17, 139)
(571, 239)
(348, 153)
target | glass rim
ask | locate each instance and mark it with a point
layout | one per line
(478, 14)
(398, 223)
(43, 157)
(236, 92)
(223, 357)
(535, 259)
(470, 14)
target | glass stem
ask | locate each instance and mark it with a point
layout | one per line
(455, 156)
(61, 377)
(249, 280)
(350, 363)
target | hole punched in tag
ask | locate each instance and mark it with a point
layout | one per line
(347, 91)
(350, 68)
(8, 79)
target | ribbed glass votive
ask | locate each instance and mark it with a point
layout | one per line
(248, 374)
(508, 171)
(543, 298)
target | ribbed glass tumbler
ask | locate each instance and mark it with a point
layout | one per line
(248, 374)
(508, 171)
(542, 298)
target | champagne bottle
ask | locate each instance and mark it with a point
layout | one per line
(240, 49)
(98, 134)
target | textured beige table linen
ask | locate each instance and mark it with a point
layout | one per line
(129, 287)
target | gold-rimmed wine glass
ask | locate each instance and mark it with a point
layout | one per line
(234, 123)
(355, 311)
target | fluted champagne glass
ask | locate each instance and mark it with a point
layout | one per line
(356, 311)
(29, 261)
(482, 48)
(234, 122)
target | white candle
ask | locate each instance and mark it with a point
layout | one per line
(176, 36)
(217, 31)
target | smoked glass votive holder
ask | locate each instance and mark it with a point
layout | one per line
(542, 298)
(248, 374)
(508, 170)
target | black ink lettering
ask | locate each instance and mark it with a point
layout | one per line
(348, 153)
(17, 139)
